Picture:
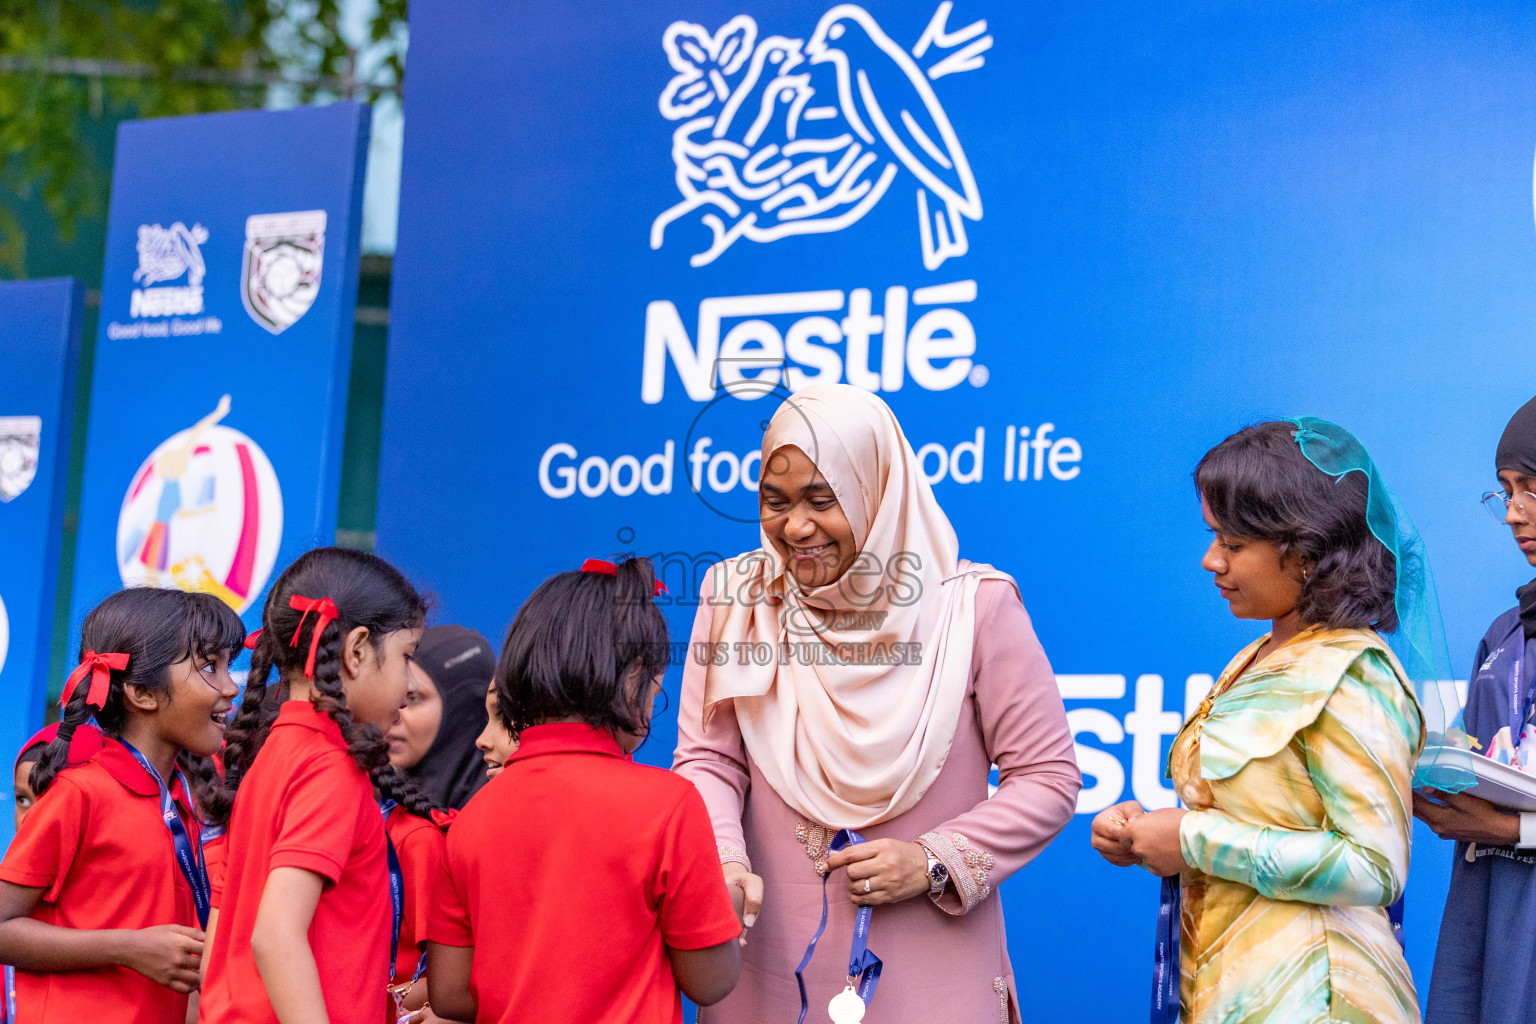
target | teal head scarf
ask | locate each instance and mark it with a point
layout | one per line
(1419, 640)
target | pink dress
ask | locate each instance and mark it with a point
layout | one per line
(945, 960)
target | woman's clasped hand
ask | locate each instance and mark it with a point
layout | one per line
(1128, 835)
(883, 871)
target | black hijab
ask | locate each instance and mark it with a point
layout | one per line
(459, 663)
(1517, 451)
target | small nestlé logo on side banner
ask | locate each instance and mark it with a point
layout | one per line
(280, 274)
(20, 440)
(166, 254)
(169, 298)
(791, 136)
(204, 513)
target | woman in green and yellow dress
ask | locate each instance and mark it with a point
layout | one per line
(1295, 771)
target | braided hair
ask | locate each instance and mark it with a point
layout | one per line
(248, 731)
(367, 592)
(156, 629)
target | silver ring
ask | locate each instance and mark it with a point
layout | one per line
(866, 886)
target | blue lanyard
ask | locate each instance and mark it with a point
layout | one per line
(862, 964)
(10, 994)
(1165, 965)
(397, 896)
(1519, 712)
(189, 860)
(396, 886)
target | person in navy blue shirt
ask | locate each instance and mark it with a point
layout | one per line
(1485, 964)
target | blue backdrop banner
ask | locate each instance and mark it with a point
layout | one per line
(39, 360)
(219, 394)
(1074, 246)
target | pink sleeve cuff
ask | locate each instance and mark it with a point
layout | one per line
(733, 855)
(968, 868)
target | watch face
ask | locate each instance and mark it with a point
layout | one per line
(938, 875)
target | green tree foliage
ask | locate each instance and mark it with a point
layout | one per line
(66, 62)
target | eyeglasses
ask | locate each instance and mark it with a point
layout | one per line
(1523, 504)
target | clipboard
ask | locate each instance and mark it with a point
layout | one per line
(1499, 784)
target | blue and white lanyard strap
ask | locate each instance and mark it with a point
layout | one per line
(188, 857)
(1165, 964)
(396, 886)
(862, 964)
(1519, 711)
(10, 994)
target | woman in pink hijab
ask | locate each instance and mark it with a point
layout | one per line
(855, 673)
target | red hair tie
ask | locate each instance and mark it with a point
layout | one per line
(609, 569)
(99, 667)
(325, 614)
(252, 639)
(442, 819)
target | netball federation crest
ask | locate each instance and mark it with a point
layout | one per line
(280, 275)
(20, 437)
(203, 513)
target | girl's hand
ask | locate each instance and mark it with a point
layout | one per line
(167, 954)
(746, 891)
(894, 870)
(1155, 841)
(1111, 834)
(1466, 818)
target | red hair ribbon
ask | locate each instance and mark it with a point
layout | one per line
(252, 639)
(442, 819)
(609, 569)
(99, 667)
(325, 613)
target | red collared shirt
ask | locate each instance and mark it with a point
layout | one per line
(97, 846)
(570, 874)
(306, 804)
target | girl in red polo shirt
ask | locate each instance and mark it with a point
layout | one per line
(103, 893)
(306, 921)
(581, 887)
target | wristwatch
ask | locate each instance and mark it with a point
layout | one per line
(938, 874)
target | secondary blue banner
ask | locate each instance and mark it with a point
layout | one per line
(219, 394)
(39, 362)
(1073, 246)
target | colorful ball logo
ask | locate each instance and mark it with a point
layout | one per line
(204, 513)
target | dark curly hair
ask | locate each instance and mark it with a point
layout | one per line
(585, 644)
(156, 629)
(1259, 486)
(369, 592)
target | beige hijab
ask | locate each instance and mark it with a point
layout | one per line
(854, 740)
